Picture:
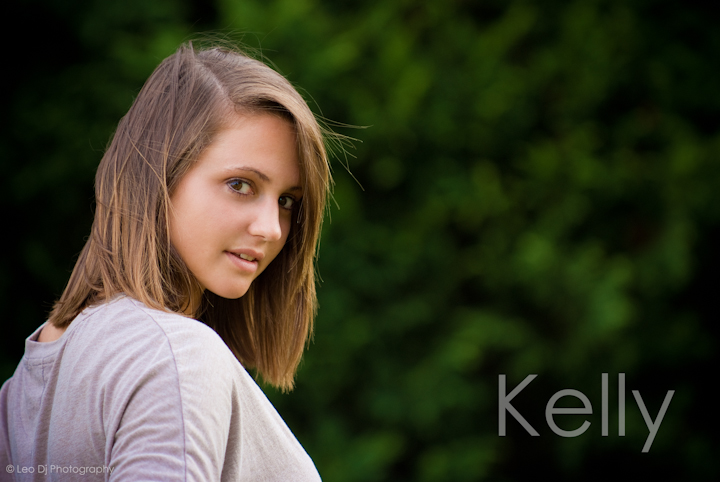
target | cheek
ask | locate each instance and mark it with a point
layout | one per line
(287, 228)
(183, 229)
(190, 226)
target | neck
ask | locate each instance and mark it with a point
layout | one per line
(193, 305)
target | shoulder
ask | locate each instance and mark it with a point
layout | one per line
(126, 324)
(124, 343)
(123, 314)
(164, 383)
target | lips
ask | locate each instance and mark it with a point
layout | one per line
(244, 257)
(248, 254)
(245, 260)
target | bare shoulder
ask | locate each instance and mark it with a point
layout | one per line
(50, 333)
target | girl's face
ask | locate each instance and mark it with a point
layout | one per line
(231, 212)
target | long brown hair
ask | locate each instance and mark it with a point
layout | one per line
(182, 106)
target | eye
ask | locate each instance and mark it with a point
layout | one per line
(240, 186)
(286, 202)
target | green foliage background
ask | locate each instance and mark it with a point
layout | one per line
(536, 194)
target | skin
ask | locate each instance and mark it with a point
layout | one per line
(50, 333)
(237, 199)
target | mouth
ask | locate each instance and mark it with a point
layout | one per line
(246, 259)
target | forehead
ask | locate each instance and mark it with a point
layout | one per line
(265, 142)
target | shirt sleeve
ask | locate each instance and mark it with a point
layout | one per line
(167, 404)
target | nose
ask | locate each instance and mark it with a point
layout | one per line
(266, 220)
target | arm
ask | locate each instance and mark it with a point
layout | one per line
(177, 407)
(142, 393)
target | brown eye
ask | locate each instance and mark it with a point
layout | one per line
(286, 202)
(240, 186)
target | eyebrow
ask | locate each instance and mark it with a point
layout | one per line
(260, 174)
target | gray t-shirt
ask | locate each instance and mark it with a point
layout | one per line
(131, 393)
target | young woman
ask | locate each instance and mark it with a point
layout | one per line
(209, 204)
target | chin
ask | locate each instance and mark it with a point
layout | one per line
(231, 293)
